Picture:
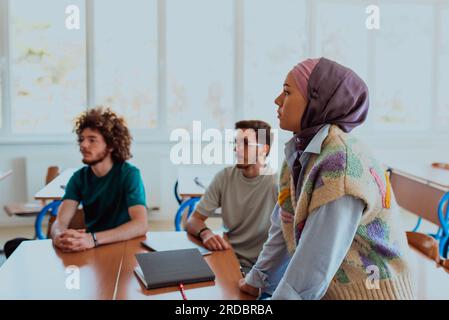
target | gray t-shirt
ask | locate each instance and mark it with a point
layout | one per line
(246, 206)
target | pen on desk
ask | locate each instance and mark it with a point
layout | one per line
(181, 288)
(440, 165)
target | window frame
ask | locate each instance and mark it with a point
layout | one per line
(160, 134)
(4, 74)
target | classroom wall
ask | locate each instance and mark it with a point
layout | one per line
(29, 162)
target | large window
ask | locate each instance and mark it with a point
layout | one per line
(125, 59)
(443, 70)
(403, 96)
(1, 90)
(164, 63)
(48, 74)
(275, 39)
(2, 83)
(396, 61)
(341, 35)
(2, 59)
(200, 63)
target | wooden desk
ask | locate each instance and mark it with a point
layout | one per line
(418, 188)
(53, 190)
(224, 264)
(38, 271)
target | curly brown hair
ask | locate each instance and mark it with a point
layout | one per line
(112, 127)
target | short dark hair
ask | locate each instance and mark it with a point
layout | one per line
(256, 125)
(112, 127)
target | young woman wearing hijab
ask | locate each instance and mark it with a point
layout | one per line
(334, 233)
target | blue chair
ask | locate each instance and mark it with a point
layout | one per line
(51, 208)
(176, 192)
(190, 204)
(443, 232)
(418, 224)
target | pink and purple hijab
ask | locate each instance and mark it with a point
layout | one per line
(334, 94)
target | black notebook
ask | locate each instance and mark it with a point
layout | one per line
(170, 268)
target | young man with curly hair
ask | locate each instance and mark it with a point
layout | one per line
(110, 189)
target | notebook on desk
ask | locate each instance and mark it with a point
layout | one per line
(170, 268)
(170, 240)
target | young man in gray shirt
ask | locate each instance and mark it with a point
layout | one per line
(246, 194)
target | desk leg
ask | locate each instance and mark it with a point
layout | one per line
(53, 209)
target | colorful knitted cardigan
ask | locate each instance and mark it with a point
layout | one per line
(375, 266)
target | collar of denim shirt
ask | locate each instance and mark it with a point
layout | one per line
(314, 146)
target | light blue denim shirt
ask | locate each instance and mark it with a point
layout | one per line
(324, 243)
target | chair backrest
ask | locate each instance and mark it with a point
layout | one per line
(52, 172)
(77, 221)
(425, 244)
(181, 218)
(176, 192)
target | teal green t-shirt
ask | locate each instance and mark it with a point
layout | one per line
(106, 199)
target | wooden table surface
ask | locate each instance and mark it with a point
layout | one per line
(37, 271)
(224, 264)
(53, 190)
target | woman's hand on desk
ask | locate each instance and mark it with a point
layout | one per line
(74, 241)
(249, 289)
(214, 241)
